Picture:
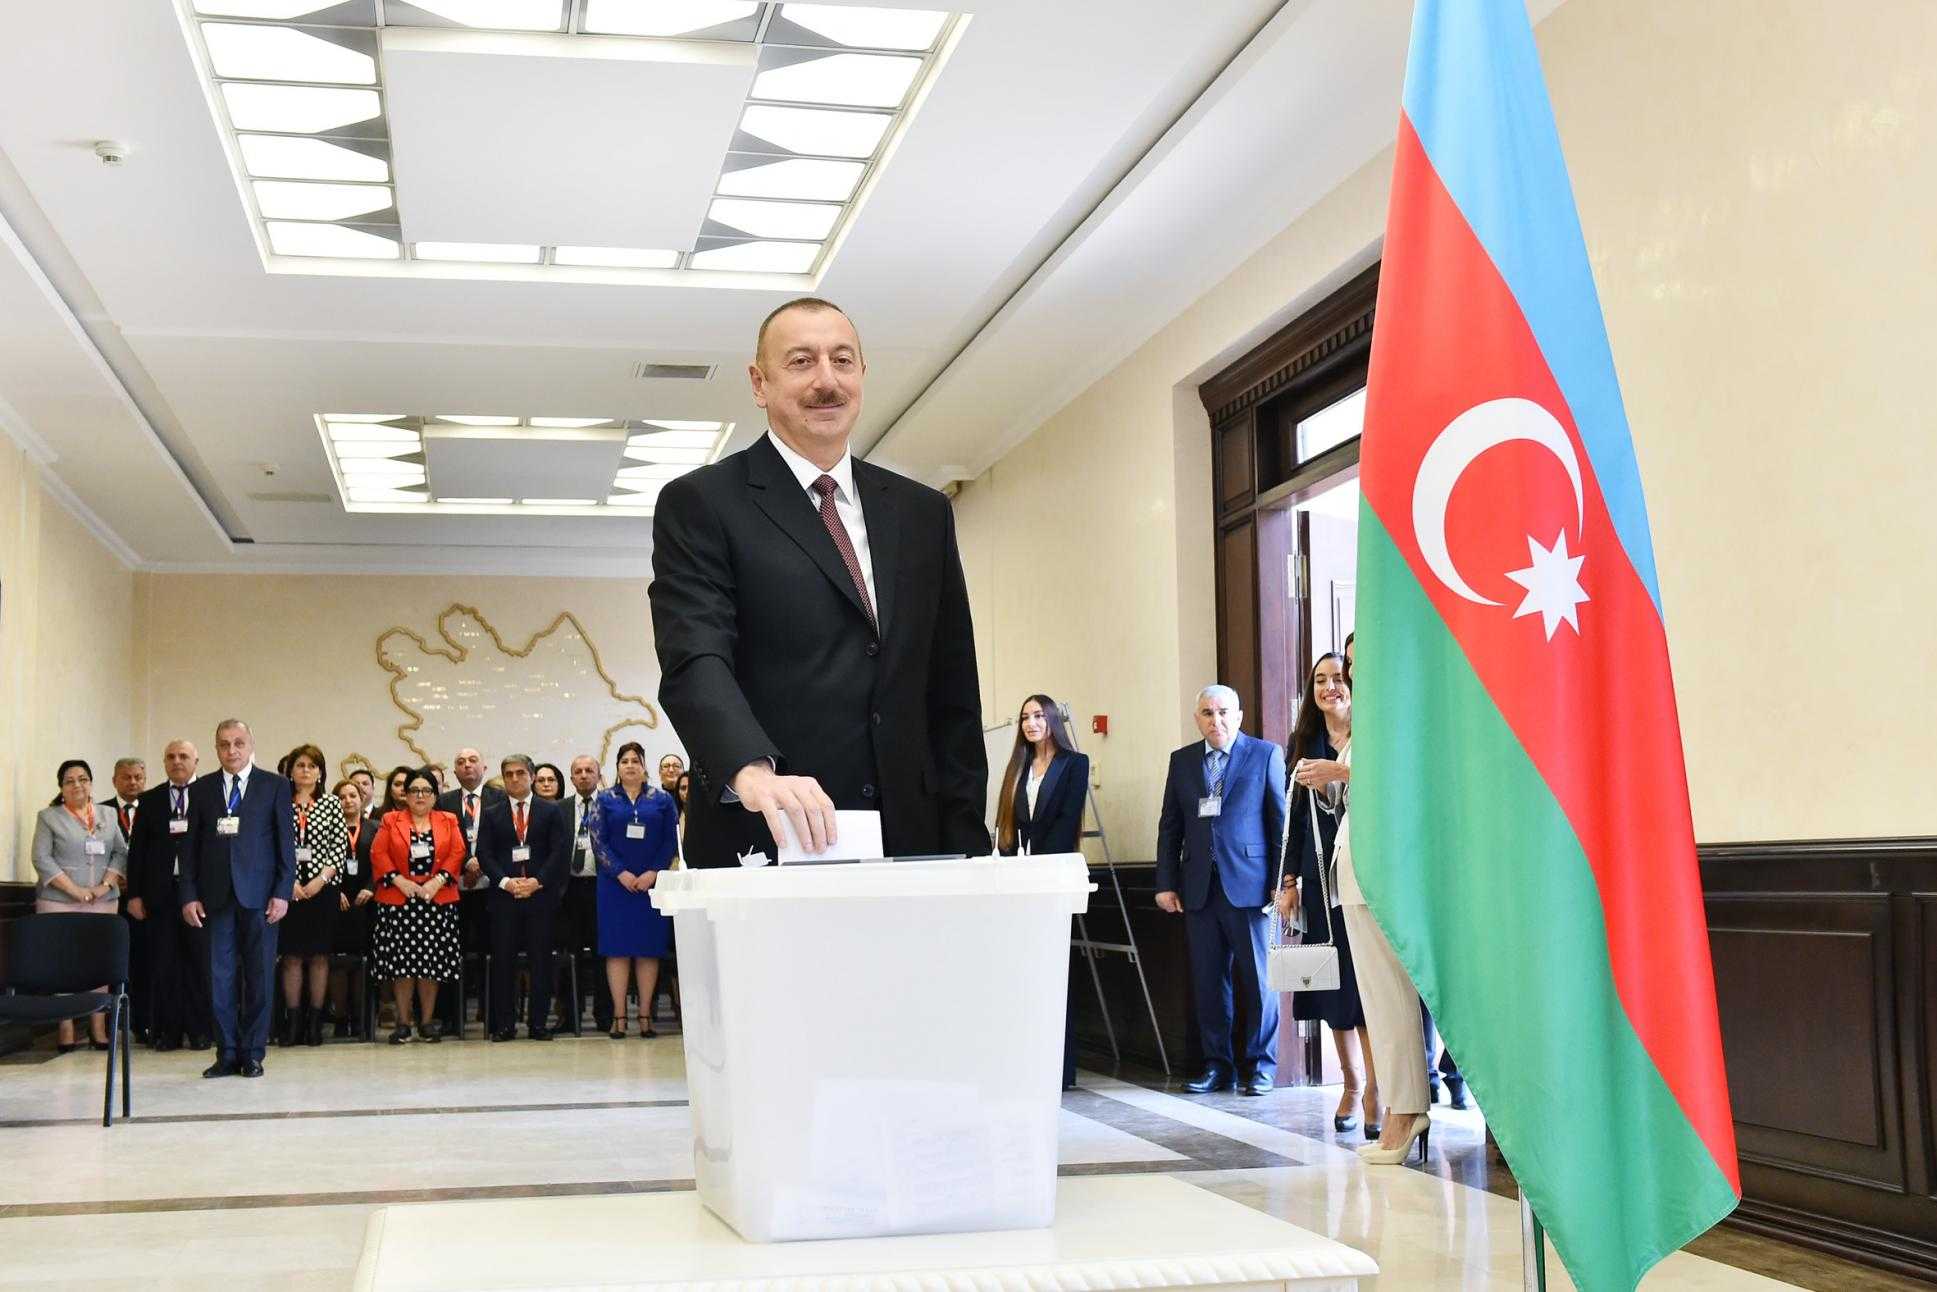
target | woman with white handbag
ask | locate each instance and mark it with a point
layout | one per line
(1323, 730)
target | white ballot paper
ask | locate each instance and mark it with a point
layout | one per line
(860, 839)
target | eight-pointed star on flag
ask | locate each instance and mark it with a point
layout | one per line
(1552, 583)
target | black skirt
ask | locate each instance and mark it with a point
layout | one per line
(1339, 1010)
(310, 927)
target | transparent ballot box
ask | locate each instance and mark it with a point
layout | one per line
(875, 1048)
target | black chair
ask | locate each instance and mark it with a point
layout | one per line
(54, 964)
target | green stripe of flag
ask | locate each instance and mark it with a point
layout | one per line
(1482, 887)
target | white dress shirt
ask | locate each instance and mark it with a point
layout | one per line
(847, 504)
(238, 782)
(517, 805)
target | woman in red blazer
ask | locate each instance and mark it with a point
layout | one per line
(415, 864)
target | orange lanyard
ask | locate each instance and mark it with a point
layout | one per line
(87, 820)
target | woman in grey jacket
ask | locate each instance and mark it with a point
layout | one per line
(81, 862)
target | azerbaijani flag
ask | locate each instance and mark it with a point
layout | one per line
(1520, 818)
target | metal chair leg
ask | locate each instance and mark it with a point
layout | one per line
(127, 1049)
(114, 1037)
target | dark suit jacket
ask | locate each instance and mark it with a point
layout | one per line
(152, 851)
(1241, 846)
(255, 864)
(765, 651)
(548, 833)
(452, 801)
(1057, 823)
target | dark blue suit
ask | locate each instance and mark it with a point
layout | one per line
(1225, 869)
(234, 877)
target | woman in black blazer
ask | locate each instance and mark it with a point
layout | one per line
(355, 909)
(1040, 812)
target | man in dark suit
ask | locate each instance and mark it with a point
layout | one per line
(130, 779)
(467, 803)
(525, 847)
(1220, 835)
(237, 874)
(812, 624)
(177, 951)
(578, 920)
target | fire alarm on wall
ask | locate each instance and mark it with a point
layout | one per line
(1100, 724)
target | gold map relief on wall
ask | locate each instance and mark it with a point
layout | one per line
(547, 698)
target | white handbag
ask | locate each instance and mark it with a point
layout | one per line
(1310, 966)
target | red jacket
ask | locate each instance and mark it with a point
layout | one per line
(390, 855)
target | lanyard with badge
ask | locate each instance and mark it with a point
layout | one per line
(521, 822)
(304, 853)
(636, 829)
(1212, 804)
(178, 819)
(230, 823)
(93, 846)
(583, 841)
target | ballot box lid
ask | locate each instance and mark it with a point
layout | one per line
(1063, 875)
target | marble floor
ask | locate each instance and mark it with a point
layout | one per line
(268, 1184)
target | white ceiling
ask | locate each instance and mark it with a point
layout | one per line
(1081, 171)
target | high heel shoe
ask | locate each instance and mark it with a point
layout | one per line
(1421, 1133)
(1343, 1120)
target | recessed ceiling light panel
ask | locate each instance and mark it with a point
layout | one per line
(330, 55)
(806, 221)
(665, 17)
(800, 178)
(287, 238)
(865, 28)
(496, 253)
(490, 15)
(615, 257)
(299, 109)
(282, 200)
(759, 257)
(816, 132)
(852, 80)
(283, 157)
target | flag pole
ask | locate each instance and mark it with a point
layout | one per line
(1533, 1248)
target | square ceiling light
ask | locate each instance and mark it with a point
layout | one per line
(792, 107)
(496, 464)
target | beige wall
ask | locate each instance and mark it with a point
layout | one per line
(301, 658)
(67, 684)
(1755, 181)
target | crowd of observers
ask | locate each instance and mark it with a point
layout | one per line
(409, 883)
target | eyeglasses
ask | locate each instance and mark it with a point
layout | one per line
(420, 789)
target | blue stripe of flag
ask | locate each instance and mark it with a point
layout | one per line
(1477, 100)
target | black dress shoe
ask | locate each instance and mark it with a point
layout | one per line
(252, 1067)
(541, 1034)
(401, 1036)
(68, 1048)
(506, 1035)
(199, 1043)
(1258, 1083)
(1215, 1077)
(167, 1047)
(221, 1068)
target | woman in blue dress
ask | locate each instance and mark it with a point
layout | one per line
(634, 835)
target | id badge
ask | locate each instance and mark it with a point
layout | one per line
(1211, 805)
(97, 847)
(349, 866)
(228, 824)
(521, 854)
(305, 854)
(636, 830)
(178, 825)
(419, 851)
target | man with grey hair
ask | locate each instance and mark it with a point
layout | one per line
(237, 875)
(177, 964)
(1220, 835)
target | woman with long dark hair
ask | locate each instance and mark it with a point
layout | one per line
(1040, 813)
(394, 799)
(1323, 729)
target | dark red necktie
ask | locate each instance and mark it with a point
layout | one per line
(825, 487)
